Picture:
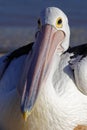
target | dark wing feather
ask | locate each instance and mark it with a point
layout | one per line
(20, 51)
(15, 54)
(78, 63)
(78, 50)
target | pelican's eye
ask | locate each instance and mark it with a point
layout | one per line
(59, 23)
(39, 23)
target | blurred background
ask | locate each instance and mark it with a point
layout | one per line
(18, 19)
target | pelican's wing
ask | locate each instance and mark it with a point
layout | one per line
(6, 60)
(78, 50)
(78, 63)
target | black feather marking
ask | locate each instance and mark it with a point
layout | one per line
(78, 50)
(15, 54)
(19, 52)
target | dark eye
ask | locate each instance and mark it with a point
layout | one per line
(59, 23)
(39, 23)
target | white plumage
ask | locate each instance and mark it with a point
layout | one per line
(59, 105)
(80, 72)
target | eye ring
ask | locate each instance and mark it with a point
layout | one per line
(59, 22)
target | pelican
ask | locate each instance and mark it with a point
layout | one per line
(38, 90)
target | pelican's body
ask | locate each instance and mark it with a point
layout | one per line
(62, 109)
(59, 105)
